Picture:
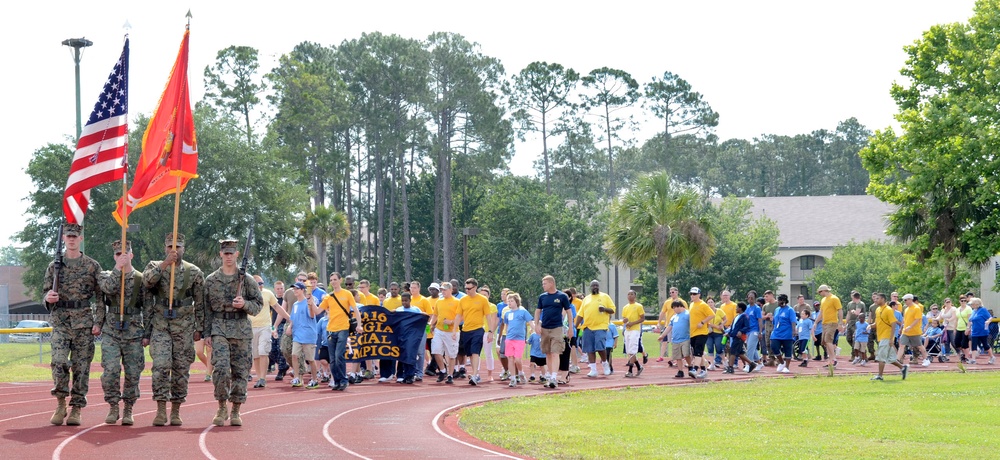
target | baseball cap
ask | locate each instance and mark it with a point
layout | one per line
(299, 285)
(434, 286)
(695, 290)
(908, 297)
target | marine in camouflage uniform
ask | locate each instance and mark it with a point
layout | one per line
(171, 337)
(227, 327)
(123, 331)
(73, 327)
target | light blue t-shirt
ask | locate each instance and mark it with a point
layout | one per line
(899, 320)
(933, 332)
(680, 327)
(321, 331)
(805, 328)
(815, 319)
(784, 323)
(861, 332)
(753, 315)
(516, 323)
(412, 309)
(303, 325)
(609, 338)
(535, 342)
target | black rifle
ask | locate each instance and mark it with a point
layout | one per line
(243, 265)
(57, 265)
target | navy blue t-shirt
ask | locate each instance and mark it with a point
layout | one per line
(552, 306)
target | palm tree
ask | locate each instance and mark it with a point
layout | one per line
(654, 220)
(325, 225)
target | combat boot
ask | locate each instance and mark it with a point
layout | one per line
(112, 417)
(175, 414)
(60, 414)
(234, 417)
(74, 416)
(161, 414)
(221, 415)
(127, 415)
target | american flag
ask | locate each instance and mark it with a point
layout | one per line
(101, 153)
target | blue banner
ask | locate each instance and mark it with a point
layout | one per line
(390, 335)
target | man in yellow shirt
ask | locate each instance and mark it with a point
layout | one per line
(594, 314)
(832, 316)
(444, 346)
(701, 315)
(392, 302)
(261, 325)
(473, 313)
(632, 317)
(911, 335)
(728, 307)
(885, 320)
(364, 292)
(667, 312)
(420, 302)
(340, 306)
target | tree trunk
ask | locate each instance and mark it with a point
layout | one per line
(661, 280)
(407, 255)
(545, 155)
(611, 164)
(380, 210)
(348, 256)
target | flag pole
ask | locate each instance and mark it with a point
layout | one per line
(177, 211)
(121, 304)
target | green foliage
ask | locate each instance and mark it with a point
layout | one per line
(233, 84)
(941, 170)
(11, 255)
(866, 267)
(926, 279)
(682, 110)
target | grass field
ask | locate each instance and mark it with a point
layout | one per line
(19, 362)
(930, 415)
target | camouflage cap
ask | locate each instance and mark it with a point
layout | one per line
(169, 239)
(72, 229)
(116, 245)
(228, 246)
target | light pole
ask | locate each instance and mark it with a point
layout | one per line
(77, 44)
(466, 233)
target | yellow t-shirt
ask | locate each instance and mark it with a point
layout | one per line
(914, 312)
(263, 319)
(420, 302)
(492, 311)
(338, 320)
(884, 316)
(717, 321)
(829, 307)
(699, 311)
(392, 303)
(634, 313)
(446, 308)
(592, 318)
(668, 311)
(729, 308)
(368, 299)
(473, 309)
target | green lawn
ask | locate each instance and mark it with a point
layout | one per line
(930, 415)
(19, 362)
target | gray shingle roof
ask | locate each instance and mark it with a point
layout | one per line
(824, 221)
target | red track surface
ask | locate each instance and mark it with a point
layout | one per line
(370, 420)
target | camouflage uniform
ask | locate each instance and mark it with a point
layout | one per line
(122, 347)
(230, 331)
(171, 341)
(72, 319)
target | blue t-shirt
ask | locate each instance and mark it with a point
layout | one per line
(303, 326)
(816, 321)
(411, 309)
(609, 338)
(899, 321)
(459, 295)
(861, 332)
(805, 328)
(753, 315)
(784, 323)
(572, 314)
(535, 342)
(977, 322)
(318, 295)
(934, 332)
(517, 323)
(321, 331)
(680, 327)
(552, 306)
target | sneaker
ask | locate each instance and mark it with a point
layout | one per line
(926, 363)
(474, 380)
(428, 372)
(804, 363)
(584, 360)
(752, 368)
(312, 385)
(877, 378)
(758, 368)
(864, 362)
(441, 377)
(711, 367)
(607, 369)
(367, 374)
(645, 359)
(325, 378)
(280, 376)
(532, 379)
(729, 370)
(400, 380)
(680, 375)
(629, 375)
(296, 382)
(639, 371)
(780, 368)
(692, 373)
(521, 379)
(460, 373)
(383, 379)
(592, 373)
(746, 368)
(505, 376)
(409, 380)
(450, 380)
(905, 370)
(261, 383)
(702, 374)
(992, 361)
(670, 363)
(574, 369)
(660, 360)
(971, 361)
(512, 384)
(552, 383)
(855, 361)
(817, 358)
(784, 370)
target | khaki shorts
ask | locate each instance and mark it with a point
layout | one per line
(886, 353)
(261, 342)
(829, 332)
(912, 341)
(680, 350)
(307, 349)
(552, 341)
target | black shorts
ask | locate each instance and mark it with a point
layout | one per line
(470, 342)
(324, 354)
(782, 347)
(736, 346)
(698, 343)
(981, 343)
(428, 344)
(961, 340)
(538, 361)
(818, 340)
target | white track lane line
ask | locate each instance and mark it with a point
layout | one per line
(437, 427)
(23, 416)
(326, 426)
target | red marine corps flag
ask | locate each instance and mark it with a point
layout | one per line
(101, 150)
(169, 147)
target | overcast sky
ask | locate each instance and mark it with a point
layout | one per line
(781, 67)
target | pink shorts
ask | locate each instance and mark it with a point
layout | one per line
(514, 348)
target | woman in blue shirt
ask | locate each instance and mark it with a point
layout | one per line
(782, 337)
(979, 330)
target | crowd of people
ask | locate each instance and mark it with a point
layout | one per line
(242, 331)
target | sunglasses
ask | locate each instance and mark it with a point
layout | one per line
(470, 287)
(260, 284)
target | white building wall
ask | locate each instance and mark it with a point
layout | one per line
(987, 278)
(786, 256)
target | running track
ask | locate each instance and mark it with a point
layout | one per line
(370, 420)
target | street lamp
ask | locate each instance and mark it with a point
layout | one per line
(77, 44)
(466, 233)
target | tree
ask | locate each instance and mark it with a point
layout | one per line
(657, 221)
(325, 226)
(610, 90)
(539, 90)
(11, 255)
(681, 109)
(233, 83)
(865, 267)
(926, 279)
(941, 171)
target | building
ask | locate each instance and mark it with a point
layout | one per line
(13, 294)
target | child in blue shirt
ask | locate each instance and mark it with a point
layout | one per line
(611, 339)
(536, 355)
(737, 339)
(932, 335)
(861, 332)
(322, 353)
(803, 333)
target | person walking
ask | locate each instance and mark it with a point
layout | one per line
(514, 329)
(340, 306)
(832, 317)
(885, 329)
(553, 306)
(303, 315)
(633, 316)
(594, 315)
(782, 336)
